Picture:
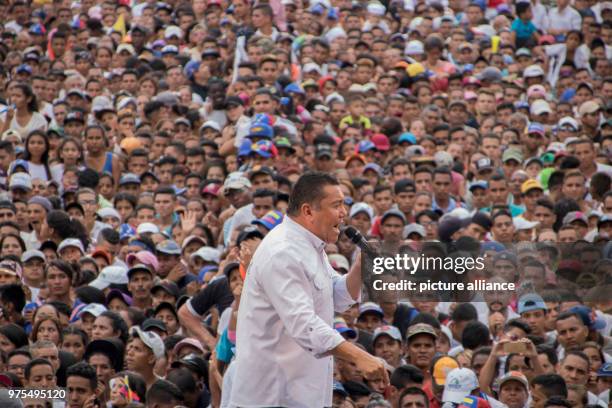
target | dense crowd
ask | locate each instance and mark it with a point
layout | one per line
(147, 148)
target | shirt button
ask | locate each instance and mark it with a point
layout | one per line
(309, 349)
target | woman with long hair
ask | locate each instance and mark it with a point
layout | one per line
(36, 154)
(22, 115)
(69, 153)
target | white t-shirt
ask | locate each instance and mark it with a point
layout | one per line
(37, 121)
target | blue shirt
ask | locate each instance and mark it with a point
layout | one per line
(523, 30)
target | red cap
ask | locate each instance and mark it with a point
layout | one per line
(381, 142)
(212, 189)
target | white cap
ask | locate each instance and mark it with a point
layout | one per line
(443, 159)
(236, 181)
(414, 228)
(32, 254)
(110, 275)
(539, 107)
(173, 31)
(70, 242)
(109, 212)
(150, 339)
(361, 207)
(126, 47)
(338, 261)
(334, 33)
(376, 9)
(533, 71)
(211, 124)
(147, 227)
(95, 309)
(100, 103)
(208, 254)
(414, 47)
(311, 67)
(568, 120)
(21, 180)
(521, 224)
(460, 382)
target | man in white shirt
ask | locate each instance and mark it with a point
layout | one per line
(563, 18)
(285, 336)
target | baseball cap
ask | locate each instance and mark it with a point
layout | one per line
(361, 207)
(70, 242)
(152, 323)
(272, 219)
(393, 213)
(484, 164)
(338, 261)
(208, 254)
(341, 327)
(110, 275)
(210, 124)
(94, 309)
(414, 228)
(533, 71)
(572, 216)
(521, 224)
(529, 185)
(530, 302)
(339, 388)
(22, 181)
(150, 339)
(539, 107)
(323, 150)
(370, 307)
(442, 367)
(188, 342)
(512, 154)
(514, 376)
(420, 328)
(261, 130)
(168, 247)
(212, 189)
(147, 227)
(381, 142)
(129, 144)
(111, 347)
(460, 382)
(568, 121)
(482, 184)
(236, 181)
(138, 268)
(116, 293)
(129, 178)
(193, 238)
(605, 370)
(414, 47)
(387, 330)
(505, 256)
(588, 317)
(32, 254)
(588, 107)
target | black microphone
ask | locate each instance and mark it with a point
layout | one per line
(358, 239)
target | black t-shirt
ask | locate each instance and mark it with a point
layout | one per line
(216, 293)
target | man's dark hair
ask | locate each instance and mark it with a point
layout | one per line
(309, 190)
(426, 318)
(578, 353)
(37, 361)
(549, 352)
(183, 379)
(414, 391)
(109, 235)
(7, 147)
(13, 293)
(165, 190)
(88, 178)
(442, 170)
(567, 315)
(163, 391)
(264, 192)
(551, 385)
(519, 324)
(406, 374)
(464, 312)
(557, 402)
(474, 335)
(84, 370)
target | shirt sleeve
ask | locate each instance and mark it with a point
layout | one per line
(342, 298)
(289, 291)
(217, 292)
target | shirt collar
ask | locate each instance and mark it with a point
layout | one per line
(315, 241)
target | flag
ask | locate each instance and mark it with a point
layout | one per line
(120, 27)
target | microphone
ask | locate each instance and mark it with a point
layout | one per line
(358, 239)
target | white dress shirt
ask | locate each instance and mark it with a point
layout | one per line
(284, 328)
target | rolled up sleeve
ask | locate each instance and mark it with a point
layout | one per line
(342, 298)
(289, 291)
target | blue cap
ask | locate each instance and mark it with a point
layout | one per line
(530, 302)
(126, 231)
(588, 317)
(24, 68)
(605, 370)
(245, 148)
(492, 246)
(387, 330)
(535, 127)
(129, 178)
(19, 163)
(407, 137)
(521, 105)
(205, 270)
(294, 88)
(479, 184)
(261, 118)
(191, 68)
(332, 14)
(567, 95)
(365, 145)
(263, 148)
(339, 388)
(375, 167)
(270, 220)
(168, 247)
(261, 130)
(368, 307)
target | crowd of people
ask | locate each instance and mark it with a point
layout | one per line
(147, 148)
